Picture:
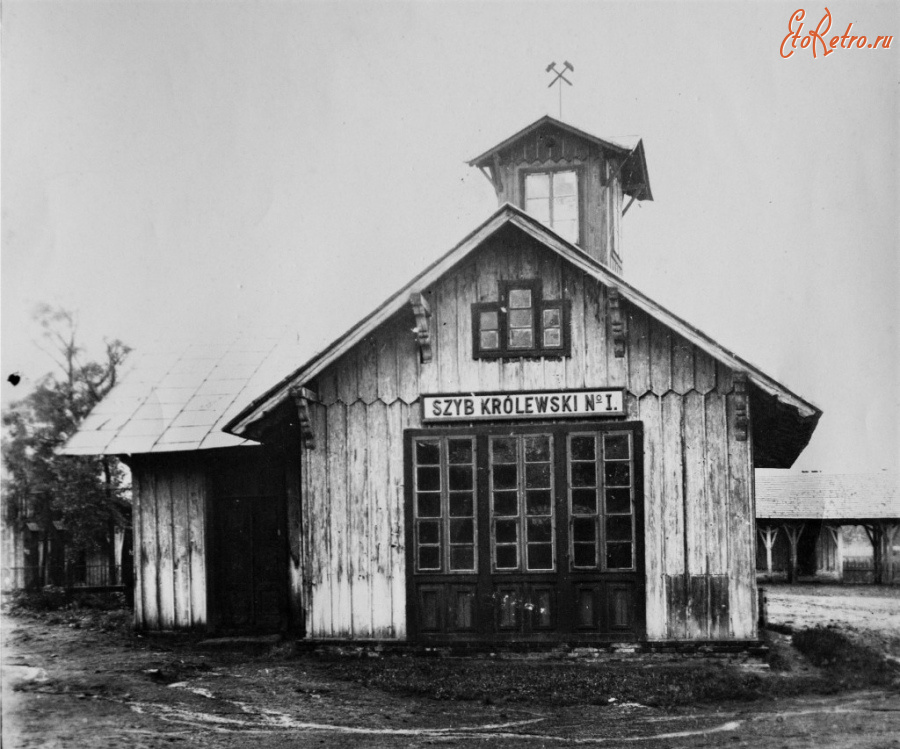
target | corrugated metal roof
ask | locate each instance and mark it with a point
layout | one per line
(178, 396)
(828, 496)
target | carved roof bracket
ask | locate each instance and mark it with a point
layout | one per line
(422, 311)
(741, 406)
(617, 323)
(302, 398)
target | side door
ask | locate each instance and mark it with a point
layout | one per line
(250, 545)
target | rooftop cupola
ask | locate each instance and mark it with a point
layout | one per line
(575, 183)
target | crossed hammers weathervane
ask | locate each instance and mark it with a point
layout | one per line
(560, 76)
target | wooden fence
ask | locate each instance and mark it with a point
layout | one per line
(73, 576)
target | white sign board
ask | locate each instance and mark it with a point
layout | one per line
(556, 404)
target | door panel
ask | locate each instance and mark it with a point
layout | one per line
(249, 554)
(525, 533)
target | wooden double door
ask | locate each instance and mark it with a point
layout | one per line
(525, 533)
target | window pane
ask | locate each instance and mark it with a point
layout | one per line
(460, 451)
(584, 474)
(429, 532)
(429, 478)
(551, 318)
(537, 475)
(618, 556)
(461, 504)
(584, 529)
(617, 474)
(519, 298)
(618, 500)
(540, 530)
(462, 532)
(540, 557)
(429, 505)
(489, 320)
(616, 446)
(552, 338)
(506, 503)
(490, 340)
(507, 557)
(537, 185)
(565, 209)
(564, 183)
(582, 447)
(568, 230)
(429, 558)
(460, 478)
(520, 318)
(585, 555)
(618, 528)
(504, 450)
(506, 531)
(584, 501)
(505, 476)
(539, 208)
(521, 338)
(537, 448)
(462, 558)
(538, 502)
(428, 453)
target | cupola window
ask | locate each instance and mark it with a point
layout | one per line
(552, 198)
(521, 323)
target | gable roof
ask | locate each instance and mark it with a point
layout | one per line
(824, 496)
(635, 180)
(509, 215)
(179, 396)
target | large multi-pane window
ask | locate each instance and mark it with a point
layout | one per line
(522, 502)
(552, 198)
(601, 501)
(595, 484)
(444, 508)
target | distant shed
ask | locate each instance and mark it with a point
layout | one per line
(799, 517)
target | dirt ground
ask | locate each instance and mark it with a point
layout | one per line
(868, 614)
(81, 687)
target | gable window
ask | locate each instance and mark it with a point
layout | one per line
(552, 198)
(521, 323)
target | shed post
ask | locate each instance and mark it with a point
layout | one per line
(793, 531)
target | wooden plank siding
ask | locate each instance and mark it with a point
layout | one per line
(699, 538)
(171, 519)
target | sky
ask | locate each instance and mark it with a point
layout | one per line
(189, 169)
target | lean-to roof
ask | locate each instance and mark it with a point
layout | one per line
(178, 396)
(788, 406)
(828, 496)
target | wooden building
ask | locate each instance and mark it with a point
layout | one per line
(209, 509)
(801, 520)
(549, 456)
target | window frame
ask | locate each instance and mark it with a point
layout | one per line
(539, 306)
(578, 169)
(445, 518)
(600, 517)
